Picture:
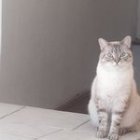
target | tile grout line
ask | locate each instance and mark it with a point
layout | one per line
(49, 134)
(9, 114)
(80, 125)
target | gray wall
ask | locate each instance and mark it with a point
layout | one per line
(136, 53)
(138, 20)
(49, 47)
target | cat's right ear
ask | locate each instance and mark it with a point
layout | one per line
(103, 43)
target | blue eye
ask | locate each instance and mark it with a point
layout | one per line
(109, 55)
(124, 55)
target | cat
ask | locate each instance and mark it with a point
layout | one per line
(114, 106)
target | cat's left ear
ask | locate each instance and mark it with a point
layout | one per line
(127, 41)
(103, 43)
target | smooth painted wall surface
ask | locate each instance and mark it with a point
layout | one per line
(49, 47)
(0, 25)
(138, 20)
(136, 54)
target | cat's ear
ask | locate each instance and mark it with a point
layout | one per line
(103, 43)
(127, 41)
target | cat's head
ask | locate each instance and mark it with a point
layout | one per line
(116, 53)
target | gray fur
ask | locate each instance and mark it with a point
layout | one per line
(116, 52)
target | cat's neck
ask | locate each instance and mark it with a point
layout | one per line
(101, 68)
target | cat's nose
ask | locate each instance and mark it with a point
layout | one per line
(117, 60)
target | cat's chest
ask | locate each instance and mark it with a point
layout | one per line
(112, 84)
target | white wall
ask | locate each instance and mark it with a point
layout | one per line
(49, 47)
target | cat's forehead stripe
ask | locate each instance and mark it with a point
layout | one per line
(115, 48)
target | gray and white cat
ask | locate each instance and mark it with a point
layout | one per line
(114, 106)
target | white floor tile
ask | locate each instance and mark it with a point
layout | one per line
(41, 118)
(70, 135)
(8, 109)
(6, 136)
(25, 130)
(88, 127)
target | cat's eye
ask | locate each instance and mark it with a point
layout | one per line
(123, 55)
(110, 55)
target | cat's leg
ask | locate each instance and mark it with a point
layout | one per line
(103, 116)
(117, 115)
(102, 129)
(119, 107)
(115, 125)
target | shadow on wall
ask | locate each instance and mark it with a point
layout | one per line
(78, 104)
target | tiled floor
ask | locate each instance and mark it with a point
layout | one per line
(28, 123)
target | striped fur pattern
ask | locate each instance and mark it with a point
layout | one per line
(114, 103)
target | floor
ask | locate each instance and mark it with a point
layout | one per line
(29, 123)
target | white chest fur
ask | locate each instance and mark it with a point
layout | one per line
(113, 82)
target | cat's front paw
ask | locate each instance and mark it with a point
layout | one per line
(113, 136)
(101, 133)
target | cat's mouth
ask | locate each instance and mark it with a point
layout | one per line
(116, 63)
